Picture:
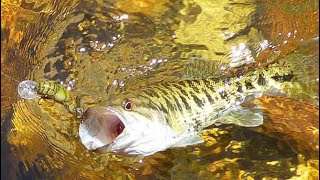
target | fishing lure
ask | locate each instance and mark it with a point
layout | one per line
(49, 89)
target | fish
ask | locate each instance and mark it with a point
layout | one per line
(171, 114)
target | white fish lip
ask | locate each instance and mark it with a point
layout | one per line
(100, 127)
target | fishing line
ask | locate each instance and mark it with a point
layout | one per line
(12, 78)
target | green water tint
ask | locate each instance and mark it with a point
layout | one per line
(42, 140)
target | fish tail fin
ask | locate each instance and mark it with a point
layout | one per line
(302, 73)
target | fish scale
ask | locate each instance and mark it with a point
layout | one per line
(198, 103)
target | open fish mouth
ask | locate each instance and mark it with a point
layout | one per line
(100, 127)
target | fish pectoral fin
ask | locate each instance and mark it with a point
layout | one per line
(189, 139)
(246, 116)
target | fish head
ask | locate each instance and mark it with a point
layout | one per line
(127, 125)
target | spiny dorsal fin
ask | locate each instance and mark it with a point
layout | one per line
(198, 68)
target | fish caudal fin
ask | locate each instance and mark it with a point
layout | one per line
(304, 64)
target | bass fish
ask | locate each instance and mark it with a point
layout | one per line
(169, 115)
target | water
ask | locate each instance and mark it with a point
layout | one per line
(99, 49)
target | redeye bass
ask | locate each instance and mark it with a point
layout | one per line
(169, 115)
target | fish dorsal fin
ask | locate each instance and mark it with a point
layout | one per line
(188, 139)
(197, 68)
(245, 115)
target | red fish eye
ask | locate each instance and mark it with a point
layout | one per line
(128, 105)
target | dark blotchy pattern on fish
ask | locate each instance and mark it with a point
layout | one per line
(196, 102)
(284, 78)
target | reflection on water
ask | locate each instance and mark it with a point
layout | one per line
(99, 49)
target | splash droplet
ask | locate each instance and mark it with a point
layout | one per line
(26, 89)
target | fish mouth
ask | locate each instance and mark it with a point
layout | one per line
(100, 127)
